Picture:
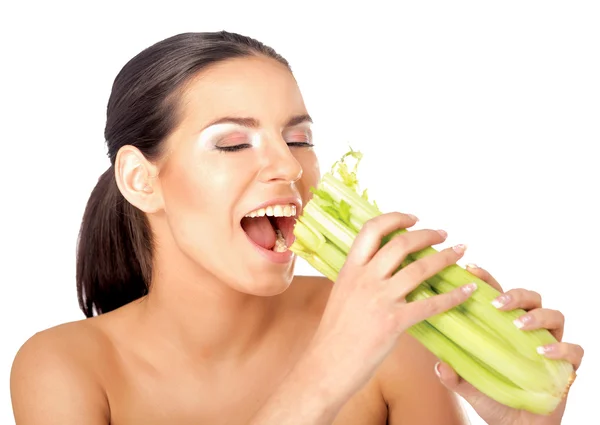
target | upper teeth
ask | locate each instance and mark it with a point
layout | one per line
(280, 210)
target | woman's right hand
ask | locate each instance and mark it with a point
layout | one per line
(365, 314)
(367, 311)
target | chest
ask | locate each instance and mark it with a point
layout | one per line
(221, 396)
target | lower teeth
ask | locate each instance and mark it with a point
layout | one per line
(280, 245)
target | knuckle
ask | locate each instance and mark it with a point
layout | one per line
(398, 215)
(536, 315)
(516, 295)
(515, 292)
(391, 217)
(455, 297)
(415, 271)
(431, 307)
(375, 224)
(444, 302)
(400, 243)
(369, 225)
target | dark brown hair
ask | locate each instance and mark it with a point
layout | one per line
(114, 252)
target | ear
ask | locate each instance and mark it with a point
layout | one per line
(137, 179)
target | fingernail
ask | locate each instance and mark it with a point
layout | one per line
(443, 233)
(460, 248)
(436, 369)
(501, 301)
(467, 289)
(414, 217)
(522, 321)
(544, 349)
(472, 266)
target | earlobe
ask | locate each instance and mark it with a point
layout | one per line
(136, 179)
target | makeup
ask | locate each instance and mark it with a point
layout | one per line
(228, 135)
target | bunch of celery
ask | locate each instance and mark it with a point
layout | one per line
(479, 341)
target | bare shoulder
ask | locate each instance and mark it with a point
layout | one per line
(55, 377)
(410, 387)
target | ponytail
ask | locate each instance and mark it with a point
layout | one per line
(114, 252)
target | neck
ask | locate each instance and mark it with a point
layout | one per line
(196, 313)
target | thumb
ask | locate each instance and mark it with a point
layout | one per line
(450, 379)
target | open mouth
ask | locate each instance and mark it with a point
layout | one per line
(272, 227)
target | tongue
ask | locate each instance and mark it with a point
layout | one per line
(260, 230)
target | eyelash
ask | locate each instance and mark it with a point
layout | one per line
(236, 148)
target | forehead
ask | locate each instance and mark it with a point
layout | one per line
(255, 87)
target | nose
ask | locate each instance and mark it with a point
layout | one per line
(279, 164)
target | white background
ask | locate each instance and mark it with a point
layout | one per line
(482, 118)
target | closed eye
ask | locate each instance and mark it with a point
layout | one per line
(301, 144)
(233, 148)
(236, 148)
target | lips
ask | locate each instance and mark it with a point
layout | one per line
(262, 230)
(261, 224)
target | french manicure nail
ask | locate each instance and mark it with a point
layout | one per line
(471, 287)
(522, 321)
(501, 301)
(460, 248)
(544, 349)
(414, 217)
(472, 266)
(443, 233)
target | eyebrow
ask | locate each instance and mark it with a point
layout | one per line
(254, 123)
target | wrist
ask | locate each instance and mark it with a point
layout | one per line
(309, 394)
(317, 386)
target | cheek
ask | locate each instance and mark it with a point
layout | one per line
(183, 191)
(191, 201)
(199, 197)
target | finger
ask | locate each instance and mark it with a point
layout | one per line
(368, 240)
(572, 353)
(484, 275)
(422, 309)
(542, 318)
(518, 298)
(387, 260)
(451, 380)
(412, 275)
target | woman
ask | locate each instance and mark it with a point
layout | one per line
(194, 314)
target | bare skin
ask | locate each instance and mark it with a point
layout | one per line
(223, 328)
(116, 369)
(118, 366)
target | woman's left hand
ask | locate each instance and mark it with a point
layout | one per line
(536, 317)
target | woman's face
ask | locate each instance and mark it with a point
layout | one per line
(243, 148)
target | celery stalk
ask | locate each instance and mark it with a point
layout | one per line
(486, 347)
(479, 341)
(474, 371)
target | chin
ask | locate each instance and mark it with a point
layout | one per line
(265, 285)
